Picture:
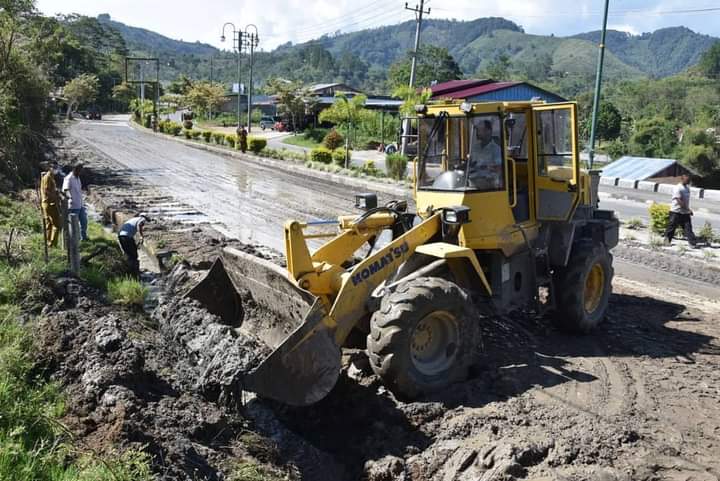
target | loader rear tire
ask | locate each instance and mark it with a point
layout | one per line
(583, 288)
(424, 337)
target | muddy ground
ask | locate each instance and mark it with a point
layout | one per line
(638, 400)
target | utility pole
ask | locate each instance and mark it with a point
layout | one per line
(419, 12)
(237, 41)
(251, 40)
(598, 87)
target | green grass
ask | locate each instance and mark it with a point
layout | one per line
(126, 290)
(250, 471)
(33, 444)
(301, 141)
(634, 224)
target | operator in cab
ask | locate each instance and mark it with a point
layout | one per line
(485, 157)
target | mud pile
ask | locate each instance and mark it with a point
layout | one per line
(128, 386)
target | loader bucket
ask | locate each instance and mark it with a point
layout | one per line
(257, 298)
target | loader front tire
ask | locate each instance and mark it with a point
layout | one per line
(583, 288)
(424, 337)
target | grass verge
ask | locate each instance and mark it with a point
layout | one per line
(301, 141)
(127, 291)
(34, 446)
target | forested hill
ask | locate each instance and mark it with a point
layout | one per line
(661, 53)
(362, 58)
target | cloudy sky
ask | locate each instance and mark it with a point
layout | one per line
(279, 21)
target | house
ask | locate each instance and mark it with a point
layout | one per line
(264, 103)
(330, 89)
(644, 168)
(488, 90)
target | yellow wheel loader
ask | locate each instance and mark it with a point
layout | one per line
(505, 220)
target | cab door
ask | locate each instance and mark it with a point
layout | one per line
(556, 159)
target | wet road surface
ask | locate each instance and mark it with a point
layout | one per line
(249, 201)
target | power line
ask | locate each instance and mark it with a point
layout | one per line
(369, 22)
(338, 20)
(616, 13)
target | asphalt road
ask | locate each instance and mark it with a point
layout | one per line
(250, 201)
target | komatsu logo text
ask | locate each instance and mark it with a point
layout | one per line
(380, 264)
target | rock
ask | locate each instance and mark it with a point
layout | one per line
(389, 468)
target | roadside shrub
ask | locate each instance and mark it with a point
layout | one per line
(195, 134)
(230, 140)
(659, 216)
(187, 133)
(322, 155)
(147, 121)
(338, 156)
(396, 165)
(126, 290)
(707, 232)
(207, 135)
(316, 135)
(256, 144)
(634, 224)
(174, 129)
(161, 125)
(370, 169)
(333, 140)
(218, 137)
(188, 124)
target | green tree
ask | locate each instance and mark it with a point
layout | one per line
(204, 97)
(346, 112)
(499, 68)
(81, 89)
(609, 122)
(411, 98)
(292, 99)
(710, 62)
(653, 137)
(434, 64)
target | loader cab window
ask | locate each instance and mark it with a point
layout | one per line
(462, 153)
(554, 141)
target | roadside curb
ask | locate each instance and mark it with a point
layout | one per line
(364, 185)
(649, 186)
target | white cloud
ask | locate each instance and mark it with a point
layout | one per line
(279, 21)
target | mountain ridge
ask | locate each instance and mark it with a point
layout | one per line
(362, 57)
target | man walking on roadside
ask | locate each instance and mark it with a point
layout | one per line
(242, 138)
(126, 238)
(50, 202)
(72, 187)
(680, 212)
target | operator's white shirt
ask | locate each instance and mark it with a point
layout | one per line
(72, 184)
(489, 155)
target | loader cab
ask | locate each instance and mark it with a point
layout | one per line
(513, 164)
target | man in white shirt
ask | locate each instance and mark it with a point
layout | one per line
(126, 238)
(485, 158)
(72, 187)
(680, 212)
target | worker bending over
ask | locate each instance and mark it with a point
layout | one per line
(126, 237)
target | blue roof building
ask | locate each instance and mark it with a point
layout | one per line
(642, 168)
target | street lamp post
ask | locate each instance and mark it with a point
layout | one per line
(252, 40)
(237, 43)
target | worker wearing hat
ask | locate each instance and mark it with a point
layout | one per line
(126, 238)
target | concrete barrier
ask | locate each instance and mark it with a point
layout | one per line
(608, 180)
(713, 195)
(665, 189)
(696, 193)
(647, 185)
(627, 183)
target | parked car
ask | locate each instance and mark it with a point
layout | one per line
(93, 114)
(267, 122)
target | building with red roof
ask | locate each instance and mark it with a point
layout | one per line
(489, 90)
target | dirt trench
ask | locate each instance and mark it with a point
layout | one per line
(637, 400)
